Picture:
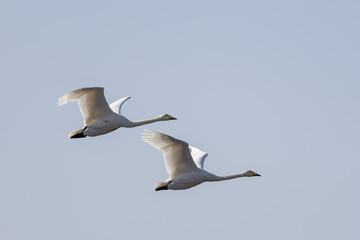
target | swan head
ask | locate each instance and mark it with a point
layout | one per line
(250, 173)
(162, 186)
(165, 117)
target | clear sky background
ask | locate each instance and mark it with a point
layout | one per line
(271, 86)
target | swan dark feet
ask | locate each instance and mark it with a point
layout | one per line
(77, 133)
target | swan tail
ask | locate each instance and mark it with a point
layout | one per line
(77, 133)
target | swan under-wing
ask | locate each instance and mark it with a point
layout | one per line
(92, 103)
(177, 156)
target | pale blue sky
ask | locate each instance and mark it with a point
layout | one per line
(271, 86)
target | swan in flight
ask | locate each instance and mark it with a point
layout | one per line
(99, 117)
(184, 163)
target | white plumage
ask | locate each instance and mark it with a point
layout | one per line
(116, 106)
(99, 117)
(198, 156)
(185, 168)
(177, 156)
(92, 103)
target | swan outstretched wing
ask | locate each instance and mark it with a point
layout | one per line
(92, 103)
(198, 156)
(116, 106)
(177, 155)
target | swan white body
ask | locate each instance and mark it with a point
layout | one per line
(99, 117)
(184, 163)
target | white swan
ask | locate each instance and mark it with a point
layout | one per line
(99, 117)
(183, 163)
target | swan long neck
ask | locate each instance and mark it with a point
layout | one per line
(228, 177)
(142, 122)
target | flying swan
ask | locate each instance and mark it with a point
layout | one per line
(99, 117)
(184, 163)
